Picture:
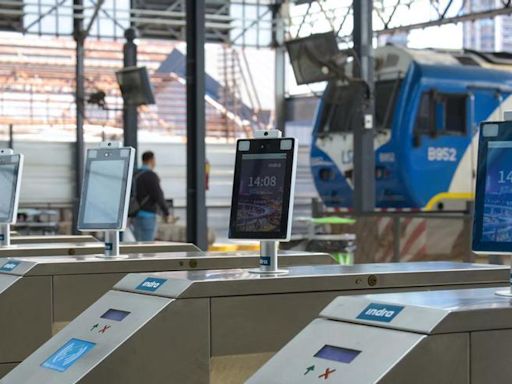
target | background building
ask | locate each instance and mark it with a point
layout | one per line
(490, 35)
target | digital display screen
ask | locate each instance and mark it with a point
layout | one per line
(497, 209)
(260, 197)
(104, 192)
(263, 189)
(115, 314)
(341, 355)
(8, 179)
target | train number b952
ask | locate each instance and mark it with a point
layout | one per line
(442, 154)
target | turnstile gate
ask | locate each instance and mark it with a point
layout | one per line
(181, 327)
(38, 296)
(91, 248)
(443, 337)
(36, 239)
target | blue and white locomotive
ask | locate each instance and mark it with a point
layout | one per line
(428, 108)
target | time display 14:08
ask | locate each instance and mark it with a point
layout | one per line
(262, 181)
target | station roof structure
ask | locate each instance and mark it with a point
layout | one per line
(244, 23)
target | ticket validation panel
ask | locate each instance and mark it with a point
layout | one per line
(443, 337)
(334, 352)
(100, 330)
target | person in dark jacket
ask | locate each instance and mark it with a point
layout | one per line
(151, 200)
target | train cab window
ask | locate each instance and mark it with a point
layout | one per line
(341, 107)
(423, 118)
(342, 104)
(455, 113)
(441, 114)
(386, 93)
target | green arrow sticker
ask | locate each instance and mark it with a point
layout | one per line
(309, 369)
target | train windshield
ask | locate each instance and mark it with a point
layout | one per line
(341, 106)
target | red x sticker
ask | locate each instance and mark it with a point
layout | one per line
(326, 374)
(104, 329)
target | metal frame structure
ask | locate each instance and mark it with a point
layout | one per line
(242, 23)
(364, 158)
(197, 230)
(164, 19)
(245, 23)
(307, 16)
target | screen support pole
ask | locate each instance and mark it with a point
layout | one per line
(112, 244)
(269, 259)
(5, 235)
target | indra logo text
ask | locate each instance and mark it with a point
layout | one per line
(150, 284)
(9, 266)
(380, 312)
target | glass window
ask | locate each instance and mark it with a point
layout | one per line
(440, 113)
(455, 112)
(423, 118)
(386, 93)
(342, 105)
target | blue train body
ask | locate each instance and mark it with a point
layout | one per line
(429, 105)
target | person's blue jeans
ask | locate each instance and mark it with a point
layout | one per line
(144, 228)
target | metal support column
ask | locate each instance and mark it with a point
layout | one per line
(79, 36)
(278, 33)
(130, 115)
(11, 136)
(197, 231)
(364, 155)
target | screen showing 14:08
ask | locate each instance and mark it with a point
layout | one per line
(497, 217)
(260, 197)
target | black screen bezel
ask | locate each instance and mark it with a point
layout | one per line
(8, 160)
(262, 146)
(504, 134)
(105, 154)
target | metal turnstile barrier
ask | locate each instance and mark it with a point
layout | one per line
(91, 248)
(212, 326)
(40, 295)
(443, 337)
(32, 239)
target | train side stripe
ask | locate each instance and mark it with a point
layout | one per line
(448, 196)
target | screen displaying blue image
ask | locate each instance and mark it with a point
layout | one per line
(68, 355)
(339, 354)
(497, 210)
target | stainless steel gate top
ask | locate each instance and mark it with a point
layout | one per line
(63, 249)
(463, 310)
(38, 239)
(216, 283)
(142, 331)
(74, 265)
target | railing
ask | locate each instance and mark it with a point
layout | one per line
(394, 236)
